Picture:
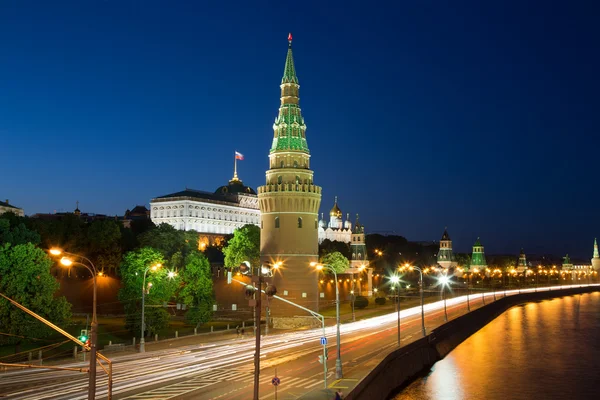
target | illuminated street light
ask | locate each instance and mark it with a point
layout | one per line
(338, 362)
(150, 268)
(67, 262)
(444, 280)
(395, 279)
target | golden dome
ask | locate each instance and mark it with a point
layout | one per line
(335, 211)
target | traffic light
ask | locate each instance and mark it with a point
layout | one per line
(83, 337)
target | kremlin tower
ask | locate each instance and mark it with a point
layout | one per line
(289, 204)
(596, 257)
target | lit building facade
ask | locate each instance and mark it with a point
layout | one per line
(478, 256)
(5, 207)
(217, 213)
(289, 204)
(336, 229)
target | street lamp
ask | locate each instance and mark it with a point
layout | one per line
(396, 281)
(67, 262)
(338, 361)
(444, 280)
(422, 284)
(151, 268)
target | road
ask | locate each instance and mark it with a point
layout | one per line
(224, 370)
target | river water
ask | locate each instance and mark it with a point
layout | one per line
(545, 350)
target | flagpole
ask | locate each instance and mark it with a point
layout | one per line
(234, 166)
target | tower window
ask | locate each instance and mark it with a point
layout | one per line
(295, 164)
(276, 222)
(298, 180)
(299, 222)
(281, 164)
(280, 179)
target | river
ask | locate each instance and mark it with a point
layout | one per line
(544, 350)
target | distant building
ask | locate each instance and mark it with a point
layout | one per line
(86, 217)
(522, 263)
(336, 229)
(596, 257)
(139, 213)
(445, 256)
(478, 256)
(217, 213)
(5, 207)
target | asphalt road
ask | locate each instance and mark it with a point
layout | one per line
(224, 370)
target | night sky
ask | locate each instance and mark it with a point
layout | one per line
(480, 116)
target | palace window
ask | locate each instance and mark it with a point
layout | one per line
(276, 222)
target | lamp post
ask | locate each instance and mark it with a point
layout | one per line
(396, 282)
(142, 341)
(422, 284)
(444, 280)
(338, 361)
(67, 261)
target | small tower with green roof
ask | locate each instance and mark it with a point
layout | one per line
(522, 263)
(596, 257)
(445, 256)
(478, 256)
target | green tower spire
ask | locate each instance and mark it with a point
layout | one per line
(596, 255)
(289, 127)
(478, 256)
(289, 72)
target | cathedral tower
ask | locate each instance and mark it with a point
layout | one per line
(596, 257)
(289, 204)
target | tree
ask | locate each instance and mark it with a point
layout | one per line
(161, 290)
(197, 292)
(244, 246)
(25, 277)
(169, 240)
(337, 261)
(17, 233)
(330, 246)
(103, 239)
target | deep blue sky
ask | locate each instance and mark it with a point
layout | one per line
(481, 116)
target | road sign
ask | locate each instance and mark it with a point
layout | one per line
(323, 341)
(275, 381)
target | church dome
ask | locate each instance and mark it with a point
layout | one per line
(335, 211)
(235, 186)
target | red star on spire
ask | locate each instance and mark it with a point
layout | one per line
(290, 37)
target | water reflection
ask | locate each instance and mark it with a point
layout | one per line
(545, 350)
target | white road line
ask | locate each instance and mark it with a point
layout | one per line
(314, 384)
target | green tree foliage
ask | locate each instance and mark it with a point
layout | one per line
(329, 246)
(14, 231)
(25, 277)
(244, 246)
(161, 291)
(336, 260)
(103, 244)
(463, 259)
(197, 291)
(169, 240)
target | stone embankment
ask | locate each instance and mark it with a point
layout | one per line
(401, 366)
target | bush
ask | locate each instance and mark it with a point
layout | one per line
(380, 301)
(361, 302)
